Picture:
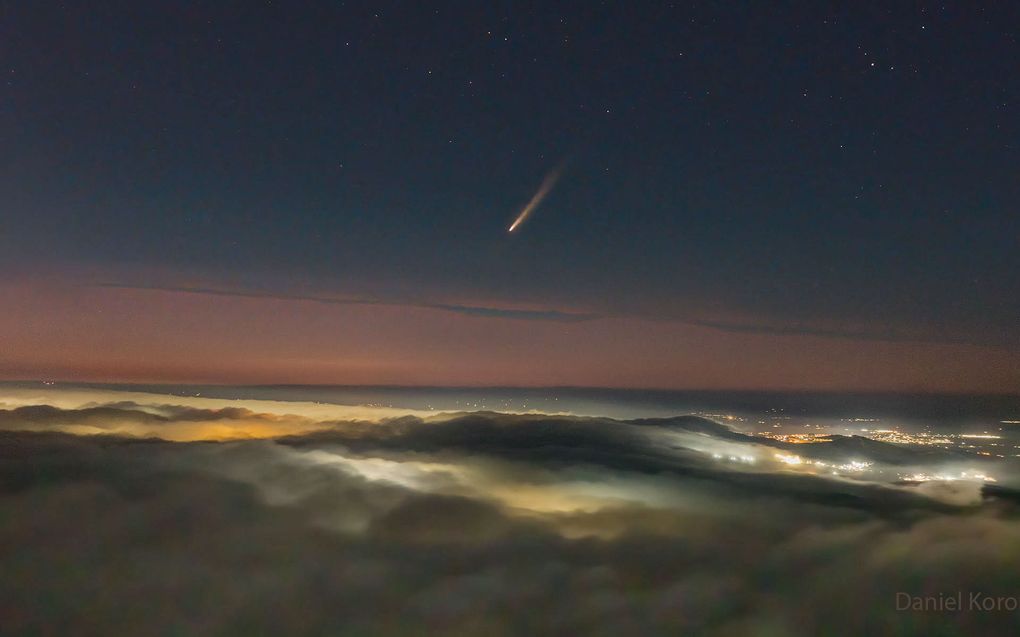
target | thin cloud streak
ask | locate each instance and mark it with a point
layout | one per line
(480, 311)
(470, 310)
(888, 335)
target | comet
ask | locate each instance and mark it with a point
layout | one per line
(543, 190)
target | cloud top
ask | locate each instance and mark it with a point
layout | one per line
(472, 524)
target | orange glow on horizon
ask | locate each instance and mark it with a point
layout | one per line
(63, 332)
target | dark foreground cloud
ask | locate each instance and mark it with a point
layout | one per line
(475, 524)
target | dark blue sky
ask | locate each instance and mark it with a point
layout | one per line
(839, 169)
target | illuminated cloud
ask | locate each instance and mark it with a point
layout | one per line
(476, 523)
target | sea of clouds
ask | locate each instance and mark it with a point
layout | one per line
(159, 515)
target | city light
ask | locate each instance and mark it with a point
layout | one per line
(789, 459)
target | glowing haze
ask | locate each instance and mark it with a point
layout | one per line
(58, 331)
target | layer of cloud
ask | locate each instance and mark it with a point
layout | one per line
(471, 524)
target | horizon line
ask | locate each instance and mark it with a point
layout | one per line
(704, 390)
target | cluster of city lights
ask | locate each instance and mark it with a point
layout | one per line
(856, 467)
(895, 436)
(947, 477)
(743, 459)
(851, 466)
(729, 417)
(985, 443)
(789, 459)
(797, 439)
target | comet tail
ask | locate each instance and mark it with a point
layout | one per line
(543, 190)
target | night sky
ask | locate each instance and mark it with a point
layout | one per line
(749, 195)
